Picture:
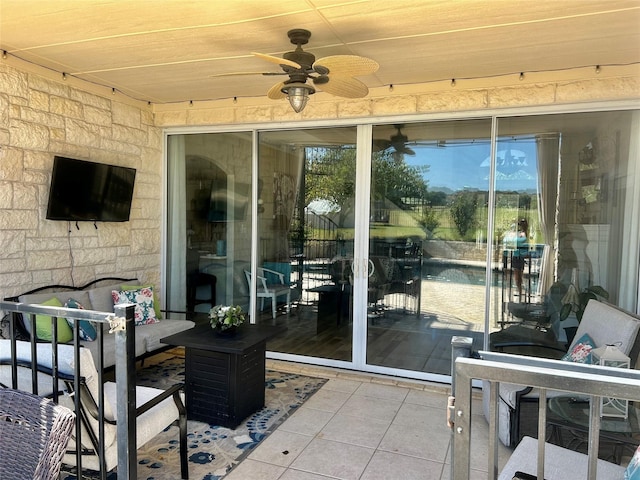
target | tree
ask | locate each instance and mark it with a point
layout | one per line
(331, 174)
(463, 211)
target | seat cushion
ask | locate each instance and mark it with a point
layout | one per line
(151, 334)
(608, 325)
(559, 463)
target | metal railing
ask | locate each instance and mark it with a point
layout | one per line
(547, 375)
(122, 326)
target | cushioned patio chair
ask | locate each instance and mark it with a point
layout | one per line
(518, 405)
(156, 409)
(34, 433)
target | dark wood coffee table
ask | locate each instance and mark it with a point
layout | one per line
(224, 375)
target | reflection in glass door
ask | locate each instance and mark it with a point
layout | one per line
(305, 252)
(427, 242)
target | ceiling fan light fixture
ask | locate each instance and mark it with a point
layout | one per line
(298, 94)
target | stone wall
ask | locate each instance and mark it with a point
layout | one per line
(40, 118)
(558, 88)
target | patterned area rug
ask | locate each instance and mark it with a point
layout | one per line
(214, 450)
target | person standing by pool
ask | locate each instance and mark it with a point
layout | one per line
(516, 242)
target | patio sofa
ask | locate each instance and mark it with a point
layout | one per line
(97, 295)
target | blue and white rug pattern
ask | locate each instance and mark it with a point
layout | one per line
(213, 450)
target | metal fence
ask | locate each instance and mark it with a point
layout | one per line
(547, 375)
(122, 326)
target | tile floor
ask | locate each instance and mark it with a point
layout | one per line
(364, 427)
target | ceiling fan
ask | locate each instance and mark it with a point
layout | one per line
(397, 144)
(333, 74)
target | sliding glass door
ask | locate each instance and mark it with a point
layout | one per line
(427, 241)
(306, 208)
(376, 244)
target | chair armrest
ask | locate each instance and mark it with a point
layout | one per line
(273, 272)
(173, 391)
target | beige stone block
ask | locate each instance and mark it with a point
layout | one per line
(12, 243)
(452, 100)
(66, 107)
(12, 164)
(253, 114)
(321, 110)
(113, 235)
(126, 115)
(145, 241)
(29, 135)
(6, 194)
(149, 208)
(82, 133)
(48, 260)
(154, 138)
(4, 138)
(94, 256)
(393, 105)
(45, 118)
(132, 135)
(168, 119)
(25, 196)
(90, 100)
(39, 100)
(120, 147)
(599, 89)
(211, 116)
(136, 263)
(14, 83)
(522, 95)
(14, 283)
(35, 244)
(38, 160)
(52, 87)
(99, 116)
(348, 109)
(4, 110)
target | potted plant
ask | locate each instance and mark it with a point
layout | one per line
(225, 319)
(575, 301)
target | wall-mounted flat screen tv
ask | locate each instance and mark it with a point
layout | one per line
(88, 191)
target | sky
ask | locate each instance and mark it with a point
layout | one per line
(459, 166)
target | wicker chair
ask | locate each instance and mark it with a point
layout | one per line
(34, 433)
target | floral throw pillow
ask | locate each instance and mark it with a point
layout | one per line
(85, 327)
(143, 299)
(581, 351)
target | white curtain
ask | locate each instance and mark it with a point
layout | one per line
(630, 265)
(177, 226)
(548, 153)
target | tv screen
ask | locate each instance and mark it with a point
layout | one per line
(89, 191)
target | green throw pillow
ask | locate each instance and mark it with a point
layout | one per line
(156, 303)
(43, 325)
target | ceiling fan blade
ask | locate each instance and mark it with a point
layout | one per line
(408, 151)
(277, 60)
(348, 65)
(347, 87)
(233, 74)
(275, 92)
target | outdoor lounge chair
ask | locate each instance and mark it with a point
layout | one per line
(34, 433)
(155, 409)
(518, 405)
